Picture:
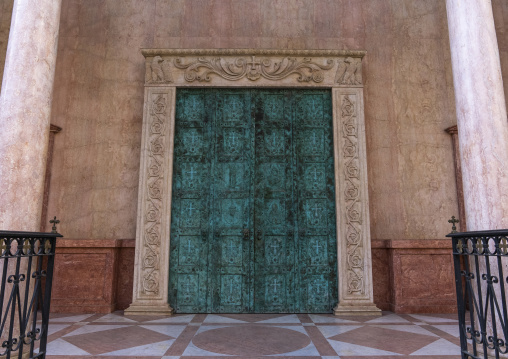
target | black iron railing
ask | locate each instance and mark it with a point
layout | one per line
(480, 260)
(26, 269)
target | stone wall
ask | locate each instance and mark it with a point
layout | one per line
(409, 101)
(408, 98)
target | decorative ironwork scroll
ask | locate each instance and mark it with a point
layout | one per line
(479, 260)
(27, 261)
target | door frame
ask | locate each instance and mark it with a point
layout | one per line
(169, 69)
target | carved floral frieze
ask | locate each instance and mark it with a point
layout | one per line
(150, 263)
(353, 198)
(186, 67)
(305, 69)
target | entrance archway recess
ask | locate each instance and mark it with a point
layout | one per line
(169, 69)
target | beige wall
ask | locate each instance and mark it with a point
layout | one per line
(5, 23)
(409, 99)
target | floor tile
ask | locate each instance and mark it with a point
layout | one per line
(171, 330)
(175, 319)
(212, 318)
(343, 348)
(309, 350)
(385, 339)
(114, 318)
(251, 340)
(329, 319)
(252, 318)
(153, 349)
(116, 339)
(293, 318)
(392, 318)
(253, 336)
(61, 347)
(54, 328)
(93, 329)
(439, 347)
(434, 318)
(330, 331)
(416, 329)
(69, 318)
(452, 329)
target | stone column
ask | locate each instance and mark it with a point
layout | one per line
(25, 108)
(481, 113)
(482, 124)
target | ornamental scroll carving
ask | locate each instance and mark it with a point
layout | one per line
(353, 198)
(253, 69)
(155, 176)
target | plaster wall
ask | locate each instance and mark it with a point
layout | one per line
(98, 98)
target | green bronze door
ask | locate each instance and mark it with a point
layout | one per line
(253, 214)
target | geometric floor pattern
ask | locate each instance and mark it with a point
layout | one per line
(253, 336)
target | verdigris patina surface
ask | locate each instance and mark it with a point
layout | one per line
(253, 210)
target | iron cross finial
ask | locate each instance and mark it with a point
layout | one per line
(54, 221)
(453, 221)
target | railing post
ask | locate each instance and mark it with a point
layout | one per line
(461, 308)
(19, 304)
(486, 335)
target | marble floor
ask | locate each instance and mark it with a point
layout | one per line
(253, 336)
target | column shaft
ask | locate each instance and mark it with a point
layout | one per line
(25, 108)
(481, 113)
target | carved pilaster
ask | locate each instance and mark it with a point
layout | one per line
(154, 204)
(353, 232)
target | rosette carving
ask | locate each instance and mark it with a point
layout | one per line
(154, 195)
(253, 69)
(352, 193)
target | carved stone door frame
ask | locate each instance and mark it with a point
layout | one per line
(169, 69)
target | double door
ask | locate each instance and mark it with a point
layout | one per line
(253, 213)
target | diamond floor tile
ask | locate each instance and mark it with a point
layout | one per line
(253, 336)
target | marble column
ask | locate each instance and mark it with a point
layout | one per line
(25, 108)
(481, 113)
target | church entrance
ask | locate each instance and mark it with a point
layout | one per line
(253, 202)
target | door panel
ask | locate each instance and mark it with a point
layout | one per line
(253, 215)
(190, 227)
(274, 282)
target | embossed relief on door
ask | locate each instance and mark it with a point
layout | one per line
(253, 226)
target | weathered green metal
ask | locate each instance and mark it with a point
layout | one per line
(253, 214)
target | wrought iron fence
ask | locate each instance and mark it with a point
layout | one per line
(26, 269)
(480, 260)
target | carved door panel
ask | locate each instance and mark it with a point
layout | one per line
(253, 215)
